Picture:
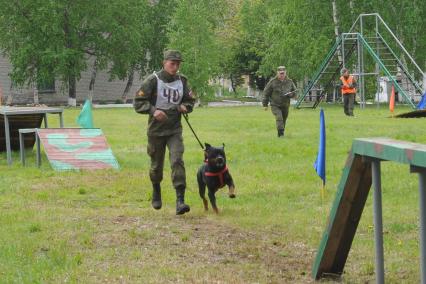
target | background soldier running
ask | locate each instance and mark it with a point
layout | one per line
(278, 92)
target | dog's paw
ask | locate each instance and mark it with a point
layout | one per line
(231, 192)
(206, 206)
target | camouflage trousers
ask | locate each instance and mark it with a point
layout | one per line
(157, 150)
(281, 114)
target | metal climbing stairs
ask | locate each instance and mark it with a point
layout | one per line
(327, 75)
(393, 63)
(378, 49)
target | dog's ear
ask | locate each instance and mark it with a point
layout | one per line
(208, 146)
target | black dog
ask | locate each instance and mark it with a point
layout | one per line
(214, 174)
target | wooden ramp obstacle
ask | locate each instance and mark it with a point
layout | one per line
(362, 169)
(76, 148)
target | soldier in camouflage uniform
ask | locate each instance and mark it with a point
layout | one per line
(277, 93)
(164, 96)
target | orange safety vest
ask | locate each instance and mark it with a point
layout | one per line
(346, 83)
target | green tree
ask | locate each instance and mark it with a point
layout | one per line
(228, 36)
(147, 55)
(299, 34)
(192, 30)
(126, 26)
(249, 51)
(55, 38)
(46, 38)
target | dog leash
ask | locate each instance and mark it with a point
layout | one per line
(185, 115)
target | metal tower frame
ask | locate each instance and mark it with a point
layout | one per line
(372, 37)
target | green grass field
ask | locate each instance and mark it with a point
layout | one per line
(99, 227)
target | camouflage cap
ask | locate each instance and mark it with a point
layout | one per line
(174, 55)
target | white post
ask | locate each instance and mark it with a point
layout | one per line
(35, 95)
(72, 102)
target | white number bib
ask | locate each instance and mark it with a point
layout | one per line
(169, 95)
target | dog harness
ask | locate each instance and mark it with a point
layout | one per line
(220, 175)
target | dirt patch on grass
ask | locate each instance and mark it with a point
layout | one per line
(194, 249)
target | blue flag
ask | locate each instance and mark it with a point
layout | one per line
(320, 161)
(422, 103)
(85, 118)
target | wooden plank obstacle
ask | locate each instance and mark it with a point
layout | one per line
(362, 169)
(15, 118)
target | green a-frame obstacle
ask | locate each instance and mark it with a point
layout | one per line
(368, 38)
(362, 169)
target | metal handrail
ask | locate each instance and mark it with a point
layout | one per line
(323, 66)
(402, 66)
(318, 71)
(400, 44)
(340, 41)
(354, 24)
(391, 33)
(388, 74)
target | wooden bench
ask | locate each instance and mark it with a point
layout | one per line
(22, 133)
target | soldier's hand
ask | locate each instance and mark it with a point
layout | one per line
(160, 115)
(182, 109)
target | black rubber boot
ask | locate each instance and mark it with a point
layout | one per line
(156, 196)
(181, 207)
(280, 132)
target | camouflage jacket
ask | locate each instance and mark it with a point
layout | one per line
(146, 98)
(275, 91)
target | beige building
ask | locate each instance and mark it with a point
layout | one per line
(105, 91)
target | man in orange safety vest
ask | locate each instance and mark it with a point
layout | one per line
(348, 85)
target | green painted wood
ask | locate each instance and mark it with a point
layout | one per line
(77, 148)
(351, 195)
(391, 150)
(344, 217)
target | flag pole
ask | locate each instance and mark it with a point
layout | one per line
(319, 164)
